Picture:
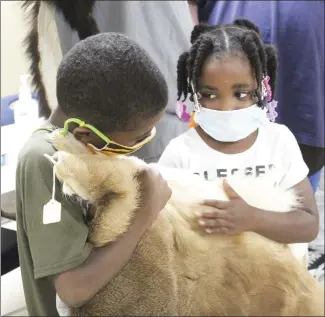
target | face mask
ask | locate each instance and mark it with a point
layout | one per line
(230, 126)
(111, 147)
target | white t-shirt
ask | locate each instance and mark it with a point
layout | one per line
(275, 149)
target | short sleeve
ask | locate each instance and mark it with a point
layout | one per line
(56, 247)
(171, 156)
(295, 169)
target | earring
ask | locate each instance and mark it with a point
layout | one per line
(266, 89)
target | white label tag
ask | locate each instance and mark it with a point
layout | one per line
(52, 212)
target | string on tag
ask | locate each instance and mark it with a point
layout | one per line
(53, 184)
(50, 158)
(52, 210)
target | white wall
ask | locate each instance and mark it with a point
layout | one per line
(13, 61)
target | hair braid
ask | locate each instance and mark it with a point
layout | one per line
(182, 75)
(257, 37)
(254, 51)
(204, 50)
(190, 65)
(244, 23)
(272, 65)
(200, 29)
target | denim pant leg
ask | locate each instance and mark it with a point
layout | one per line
(315, 179)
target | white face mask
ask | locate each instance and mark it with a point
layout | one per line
(230, 126)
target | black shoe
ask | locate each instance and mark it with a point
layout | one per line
(316, 263)
(315, 259)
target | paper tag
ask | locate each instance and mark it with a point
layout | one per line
(52, 212)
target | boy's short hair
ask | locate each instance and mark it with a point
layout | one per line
(110, 82)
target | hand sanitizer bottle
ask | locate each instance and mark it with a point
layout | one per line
(26, 108)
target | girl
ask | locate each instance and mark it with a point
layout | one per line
(231, 74)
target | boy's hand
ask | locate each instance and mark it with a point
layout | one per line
(155, 193)
(227, 217)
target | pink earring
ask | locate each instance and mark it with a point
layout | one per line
(181, 112)
(266, 89)
(271, 113)
(270, 105)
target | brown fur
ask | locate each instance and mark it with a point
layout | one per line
(175, 269)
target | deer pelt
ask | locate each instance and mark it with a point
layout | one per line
(43, 48)
(176, 269)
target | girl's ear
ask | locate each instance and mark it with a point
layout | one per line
(255, 95)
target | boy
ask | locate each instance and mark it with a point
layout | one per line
(61, 24)
(108, 81)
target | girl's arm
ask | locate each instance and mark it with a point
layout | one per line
(236, 216)
(296, 226)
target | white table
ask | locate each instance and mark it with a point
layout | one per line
(12, 140)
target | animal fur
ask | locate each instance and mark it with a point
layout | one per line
(78, 15)
(176, 270)
(31, 43)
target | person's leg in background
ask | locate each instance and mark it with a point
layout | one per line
(314, 158)
(316, 261)
(9, 251)
(315, 180)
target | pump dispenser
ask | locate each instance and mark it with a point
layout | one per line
(26, 108)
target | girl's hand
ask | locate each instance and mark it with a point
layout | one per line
(227, 217)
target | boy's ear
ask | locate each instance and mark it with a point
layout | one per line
(82, 134)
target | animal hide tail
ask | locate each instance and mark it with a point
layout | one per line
(31, 42)
(78, 14)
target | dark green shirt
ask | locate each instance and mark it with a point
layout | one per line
(45, 250)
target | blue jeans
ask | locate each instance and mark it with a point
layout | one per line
(315, 179)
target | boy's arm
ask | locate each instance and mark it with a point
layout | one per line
(62, 247)
(78, 285)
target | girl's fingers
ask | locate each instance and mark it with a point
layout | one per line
(220, 204)
(220, 230)
(213, 213)
(215, 223)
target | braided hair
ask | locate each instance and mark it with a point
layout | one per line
(242, 36)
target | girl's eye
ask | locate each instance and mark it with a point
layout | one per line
(206, 96)
(241, 94)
